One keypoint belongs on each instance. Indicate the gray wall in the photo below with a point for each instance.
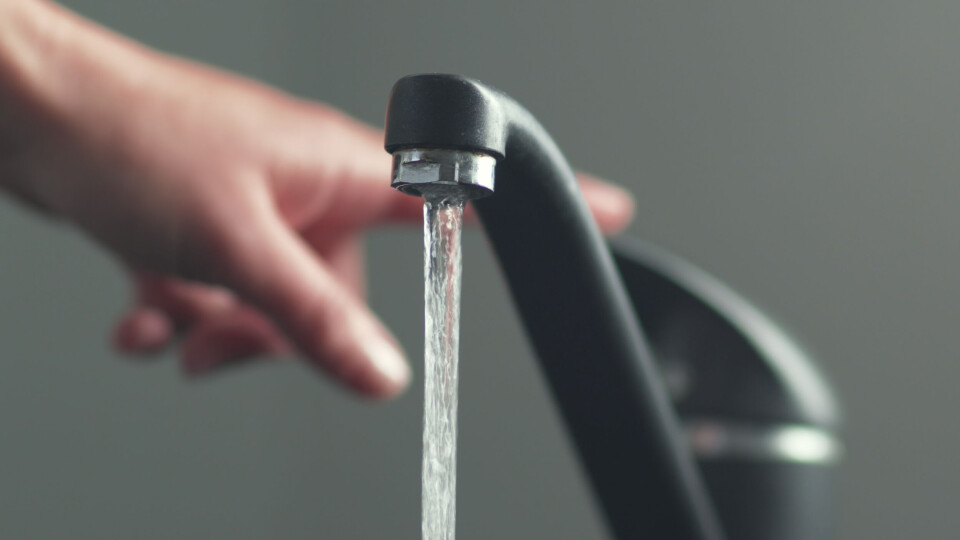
(806, 153)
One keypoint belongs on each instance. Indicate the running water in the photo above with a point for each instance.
(441, 238)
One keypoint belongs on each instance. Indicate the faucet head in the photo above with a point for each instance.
(456, 176)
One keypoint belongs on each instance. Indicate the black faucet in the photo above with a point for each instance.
(729, 435)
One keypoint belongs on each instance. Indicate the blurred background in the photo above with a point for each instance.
(808, 154)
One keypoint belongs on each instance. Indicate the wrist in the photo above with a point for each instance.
(20, 121)
(60, 77)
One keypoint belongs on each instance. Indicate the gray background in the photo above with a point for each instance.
(805, 152)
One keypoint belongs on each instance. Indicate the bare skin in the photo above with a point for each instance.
(238, 209)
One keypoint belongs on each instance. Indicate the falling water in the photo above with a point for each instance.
(443, 218)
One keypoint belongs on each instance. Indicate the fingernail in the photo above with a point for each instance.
(146, 330)
(615, 199)
(153, 328)
(387, 359)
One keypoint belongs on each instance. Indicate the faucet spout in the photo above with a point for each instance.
(455, 176)
(570, 297)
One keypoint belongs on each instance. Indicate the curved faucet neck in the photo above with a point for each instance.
(573, 305)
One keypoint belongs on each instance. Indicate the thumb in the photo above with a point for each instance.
(273, 269)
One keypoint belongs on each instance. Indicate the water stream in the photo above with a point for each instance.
(443, 219)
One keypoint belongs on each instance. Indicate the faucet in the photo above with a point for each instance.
(694, 416)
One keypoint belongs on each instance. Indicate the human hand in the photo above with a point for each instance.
(238, 209)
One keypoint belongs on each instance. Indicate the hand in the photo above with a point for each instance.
(238, 209)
